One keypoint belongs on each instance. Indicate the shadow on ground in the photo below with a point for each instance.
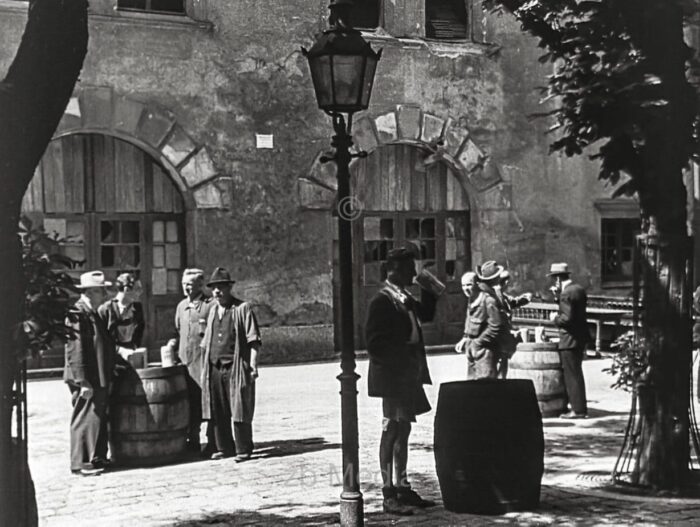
(559, 506)
(292, 447)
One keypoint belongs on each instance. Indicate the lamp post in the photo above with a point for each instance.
(342, 68)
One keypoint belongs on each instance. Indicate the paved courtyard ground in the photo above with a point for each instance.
(294, 476)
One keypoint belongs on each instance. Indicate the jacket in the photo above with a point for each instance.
(571, 319)
(488, 324)
(92, 355)
(397, 367)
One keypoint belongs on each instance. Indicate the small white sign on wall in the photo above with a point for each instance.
(264, 141)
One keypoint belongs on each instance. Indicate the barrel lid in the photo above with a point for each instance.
(537, 346)
(155, 373)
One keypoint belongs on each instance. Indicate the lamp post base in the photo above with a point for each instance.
(351, 509)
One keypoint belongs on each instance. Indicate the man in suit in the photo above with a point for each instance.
(573, 337)
(90, 365)
(397, 371)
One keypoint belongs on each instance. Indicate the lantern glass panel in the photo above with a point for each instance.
(370, 68)
(347, 76)
(322, 78)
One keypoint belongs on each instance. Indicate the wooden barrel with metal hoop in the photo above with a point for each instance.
(489, 446)
(149, 414)
(540, 363)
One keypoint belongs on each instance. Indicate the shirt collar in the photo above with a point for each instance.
(397, 292)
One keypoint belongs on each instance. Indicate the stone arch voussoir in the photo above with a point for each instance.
(99, 109)
(408, 123)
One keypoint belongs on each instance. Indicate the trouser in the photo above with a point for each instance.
(194, 393)
(220, 384)
(88, 428)
(571, 362)
(481, 364)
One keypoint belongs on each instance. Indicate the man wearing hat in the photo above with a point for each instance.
(573, 337)
(398, 369)
(231, 344)
(90, 366)
(488, 328)
(190, 322)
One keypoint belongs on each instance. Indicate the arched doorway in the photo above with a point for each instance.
(121, 212)
(406, 201)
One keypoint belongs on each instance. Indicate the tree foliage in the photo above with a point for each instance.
(49, 291)
(608, 83)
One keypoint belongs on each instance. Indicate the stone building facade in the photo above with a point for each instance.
(197, 119)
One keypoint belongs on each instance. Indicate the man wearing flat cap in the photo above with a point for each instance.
(91, 360)
(490, 342)
(573, 337)
(398, 369)
(231, 344)
(190, 322)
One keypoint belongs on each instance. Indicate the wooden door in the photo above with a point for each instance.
(120, 213)
(404, 204)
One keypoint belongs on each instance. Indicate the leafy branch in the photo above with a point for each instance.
(49, 291)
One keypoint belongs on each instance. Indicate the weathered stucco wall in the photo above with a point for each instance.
(241, 72)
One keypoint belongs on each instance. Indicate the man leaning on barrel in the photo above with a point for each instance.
(91, 363)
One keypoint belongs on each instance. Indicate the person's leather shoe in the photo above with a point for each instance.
(220, 455)
(573, 415)
(241, 457)
(101, 463)
(88, 471)
(408, 496)
(394, 506)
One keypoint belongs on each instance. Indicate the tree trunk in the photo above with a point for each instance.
(666, 255)
(33, 97)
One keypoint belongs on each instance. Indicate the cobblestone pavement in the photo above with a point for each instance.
(294, 476)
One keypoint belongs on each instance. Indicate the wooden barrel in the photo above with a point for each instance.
(489, 446)
(149, 414)
(540, 363)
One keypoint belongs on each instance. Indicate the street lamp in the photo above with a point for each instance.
(342, 67)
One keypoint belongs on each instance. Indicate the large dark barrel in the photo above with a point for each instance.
(489, 446)
(149, 412)
(540, 363)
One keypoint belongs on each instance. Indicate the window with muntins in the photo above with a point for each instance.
(155, 6)
(446, 19)
(618, 239)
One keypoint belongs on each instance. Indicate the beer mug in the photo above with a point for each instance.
(429, 281)
(168, 354)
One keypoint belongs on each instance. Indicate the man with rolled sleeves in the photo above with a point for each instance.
(573, 337)
(191, 321)
(231, 345)
(91, 362)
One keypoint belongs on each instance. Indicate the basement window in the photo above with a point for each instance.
(176, 7)
(446, 19)
(367, 14)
